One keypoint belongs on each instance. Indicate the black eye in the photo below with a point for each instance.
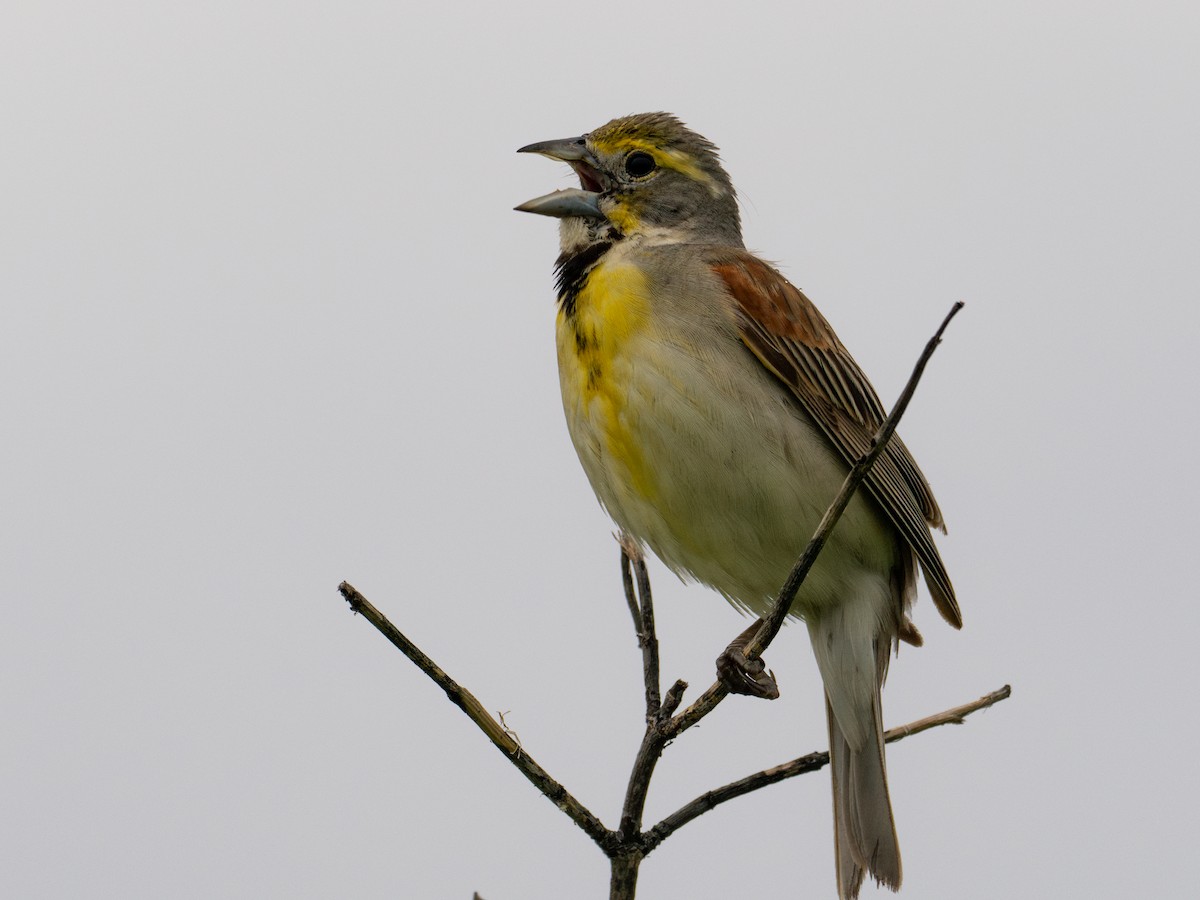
(640, 164)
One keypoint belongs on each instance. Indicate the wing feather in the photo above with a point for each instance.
(791, 338)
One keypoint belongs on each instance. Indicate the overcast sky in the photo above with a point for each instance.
(270, 322)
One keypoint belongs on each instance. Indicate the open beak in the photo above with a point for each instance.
(582, 202)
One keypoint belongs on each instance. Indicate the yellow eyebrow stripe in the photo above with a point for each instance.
(666, 157)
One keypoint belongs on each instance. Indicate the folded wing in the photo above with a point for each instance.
(791, 338)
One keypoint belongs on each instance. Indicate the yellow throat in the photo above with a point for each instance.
(598, 334)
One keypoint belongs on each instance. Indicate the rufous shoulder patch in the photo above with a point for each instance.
(772, 301)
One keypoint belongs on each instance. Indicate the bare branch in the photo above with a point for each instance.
(496, 732)
(635, 611)
(955, 716)
(628, 846)
(805, 764)
(653, 742)
(641, 608)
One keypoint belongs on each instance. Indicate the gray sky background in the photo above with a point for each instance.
(270, 323)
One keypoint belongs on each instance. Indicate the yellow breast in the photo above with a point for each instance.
(599, 341)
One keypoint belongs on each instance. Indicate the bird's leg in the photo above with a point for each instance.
(743, 675)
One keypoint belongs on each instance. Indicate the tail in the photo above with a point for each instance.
(864, 832)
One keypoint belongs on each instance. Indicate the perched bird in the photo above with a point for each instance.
(716, 415)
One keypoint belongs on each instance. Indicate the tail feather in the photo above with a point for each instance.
(853, 658)
(863, 828)
(849, 868)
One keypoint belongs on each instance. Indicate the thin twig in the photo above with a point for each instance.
(699, 708)
(641, 609)
(955, 716)
(650, 649)
(648, 755)
(650, 750)
(635, 612)
(496, 732)
(803, 765)
(783, 604)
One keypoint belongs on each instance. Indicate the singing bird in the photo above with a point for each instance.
(716, 415)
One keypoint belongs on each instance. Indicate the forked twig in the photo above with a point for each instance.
(805, 764)
(628, 845)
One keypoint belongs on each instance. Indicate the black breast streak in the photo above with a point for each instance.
(582, 342)
(572, 274)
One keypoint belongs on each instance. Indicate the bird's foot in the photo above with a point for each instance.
(742, 675)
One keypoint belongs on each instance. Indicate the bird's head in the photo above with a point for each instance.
(645, 175)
